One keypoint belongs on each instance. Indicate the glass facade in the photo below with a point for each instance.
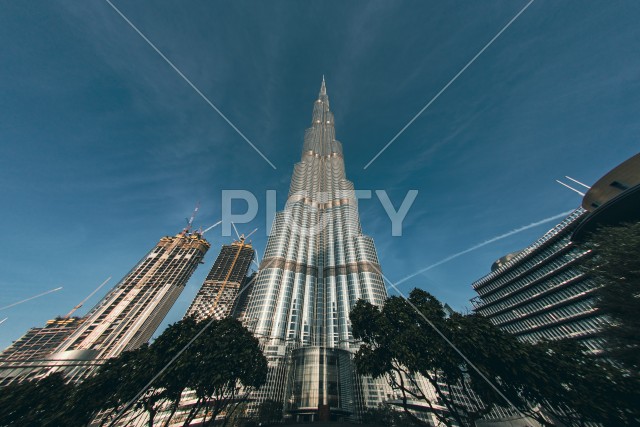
(316, 265)
(541, 293)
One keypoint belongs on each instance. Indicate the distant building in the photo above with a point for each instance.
(38, 343)
(242, 301)
(541, 292)
(217, 296)
(126, 317)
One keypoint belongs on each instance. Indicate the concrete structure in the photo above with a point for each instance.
(242, 300)
(542, 292)
(132, 311)
(126, 317)
(38, 343)
(316, 265)
(217, 296)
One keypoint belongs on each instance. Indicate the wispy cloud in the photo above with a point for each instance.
(485, 243)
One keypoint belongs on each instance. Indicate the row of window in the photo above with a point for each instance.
(570, 292)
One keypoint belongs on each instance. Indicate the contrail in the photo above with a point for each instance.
(30, 298)
(486, 242)
(3, 320)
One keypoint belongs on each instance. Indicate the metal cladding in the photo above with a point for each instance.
(317, 263)
(131, 312)
(221, 288)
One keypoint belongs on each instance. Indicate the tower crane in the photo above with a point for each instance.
(73, 310)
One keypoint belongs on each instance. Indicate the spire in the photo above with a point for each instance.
(323, 88)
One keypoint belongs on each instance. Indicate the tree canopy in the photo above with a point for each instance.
(400, 342)
(223, 362)
(615, 265)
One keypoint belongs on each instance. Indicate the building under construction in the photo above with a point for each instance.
(126, 317)
(224, 283)
(38, 343)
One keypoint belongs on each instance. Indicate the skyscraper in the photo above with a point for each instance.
(217, 296)
(316, 265)
(131, 312)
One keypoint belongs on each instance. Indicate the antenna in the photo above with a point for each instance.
(570, 188)
(68, 315)
(578, 182)
(190, 220)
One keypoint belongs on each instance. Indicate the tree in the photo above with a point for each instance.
(384, 416)
(399, 343)
(615, 265)
(220, 361)
(270, 412)
(41, 403)
(226, 365)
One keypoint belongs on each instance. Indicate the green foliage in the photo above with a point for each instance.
(616, 265)
(44, 403)
(384, 416)
(270, 412)
(220, 360)
(400, 341)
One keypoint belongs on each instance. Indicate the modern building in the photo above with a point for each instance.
(126, 317)
(131, 312)
(38, 343)
(542, 292)
(217, 296)
(316, 265)
(242, 300)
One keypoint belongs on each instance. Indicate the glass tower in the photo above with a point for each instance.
(316, 266)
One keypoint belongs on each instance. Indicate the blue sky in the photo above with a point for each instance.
(104, 148)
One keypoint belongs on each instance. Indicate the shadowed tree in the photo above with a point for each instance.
(221, 361)
(47, 402)
(615, 265)
(556, 376)
(226, 364)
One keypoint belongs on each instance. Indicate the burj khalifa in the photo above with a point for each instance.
(316, 266)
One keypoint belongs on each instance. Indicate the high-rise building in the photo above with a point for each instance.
(542, 292)
(38, 343)
(242, 300)
(130, 313)
(123, 320)
(316, 265)
(221, 288)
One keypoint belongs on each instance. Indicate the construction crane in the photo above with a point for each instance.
(242, 237)
(73, 310)
(190, 220)
(209, 228)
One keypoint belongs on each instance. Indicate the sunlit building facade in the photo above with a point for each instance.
(131, 312)
(316, 265)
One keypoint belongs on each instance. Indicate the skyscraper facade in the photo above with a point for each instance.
(123, 320)
(221, 288)
(37, 343)
(130, 313)
(316, 265)
(542, 292)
